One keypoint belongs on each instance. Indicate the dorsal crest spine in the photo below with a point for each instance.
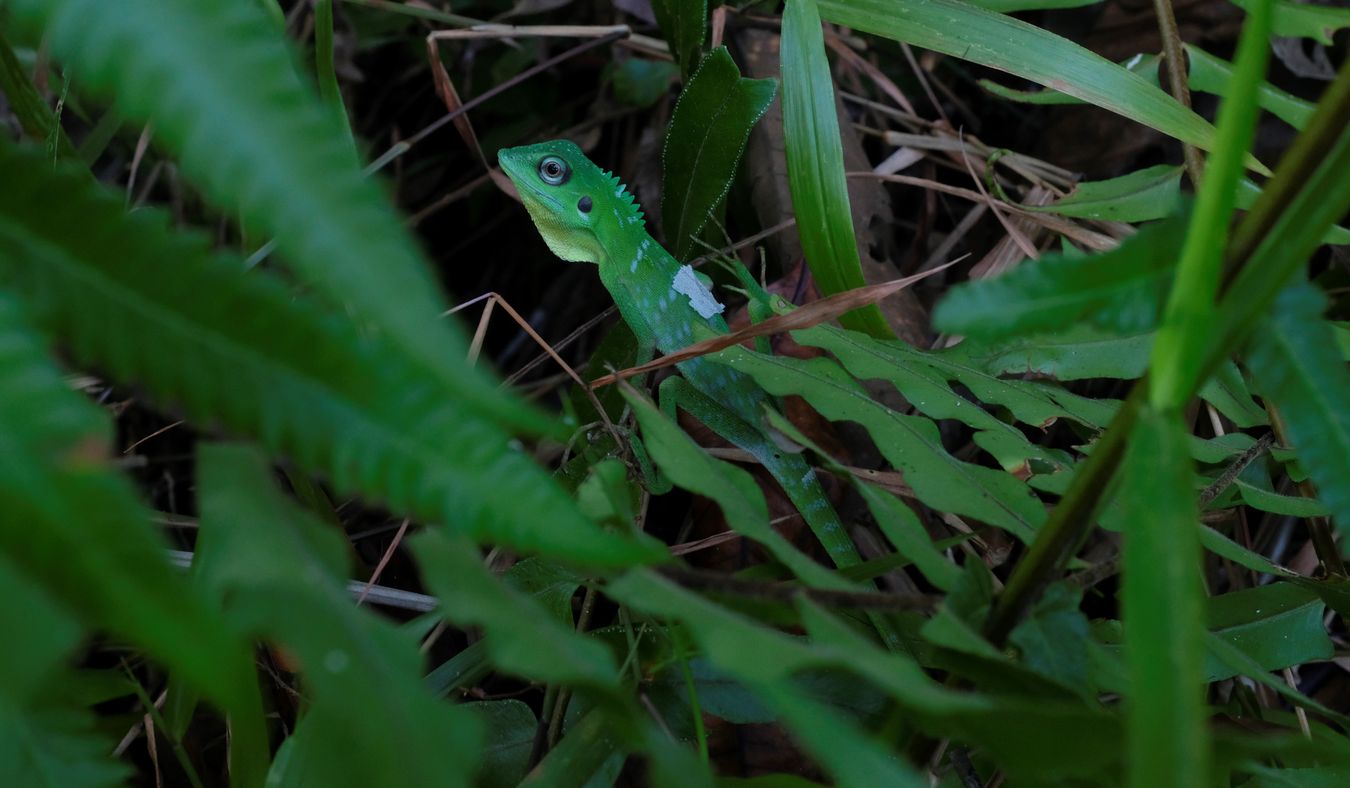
(633, 213)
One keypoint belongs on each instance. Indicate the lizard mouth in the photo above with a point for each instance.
(519, 172)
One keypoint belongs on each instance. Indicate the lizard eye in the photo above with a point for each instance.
(554, 171)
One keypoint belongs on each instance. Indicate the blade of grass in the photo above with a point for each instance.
(815, 159)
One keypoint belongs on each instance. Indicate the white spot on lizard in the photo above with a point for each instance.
(700, 297)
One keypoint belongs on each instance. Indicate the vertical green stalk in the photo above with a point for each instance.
(1190, 313)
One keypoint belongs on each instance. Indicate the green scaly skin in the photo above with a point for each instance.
(664, 308)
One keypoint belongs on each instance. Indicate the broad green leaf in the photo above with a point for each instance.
(734, 490)
(911, 443)
(47, 746)
(708, 131)
(362, 675)
(77, 529)
(1161, 599)
(1120, 290)
(1292, 18)
(510, 726)
(300, 380)
(1269, 501)
(1143, 195)
(1296, 364)
(224, 95)
(553, 585)
(684, 23)
(1275, 625)
(522, 637)
(815, 162)
(1236, 662)
(1177, 367)
(1053, 638)
(1008, 44)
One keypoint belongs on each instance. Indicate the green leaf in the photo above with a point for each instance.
(911, 443)
(1296, 364)
(1143, 195)
(1053, 639)
(510, 726)
(708, 132)
(522, 637)
(224, 95)
(553, 585)
(1168, 740)
(1209, 74)
(52, 747)
(1292, 18)
(1120, 289)
(734, 490)
(1008, 44)
(308, 385)
(362, 675)
(684, 24)
(77, 528)
(815, 162)
(1275, 625)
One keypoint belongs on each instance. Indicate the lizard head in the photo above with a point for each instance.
(571, 200)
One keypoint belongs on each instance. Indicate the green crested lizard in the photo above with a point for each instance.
(586, 215)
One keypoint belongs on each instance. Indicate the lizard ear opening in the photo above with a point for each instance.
(584, 204)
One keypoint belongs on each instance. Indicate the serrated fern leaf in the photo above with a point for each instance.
(1296, 364)
(219, 85)
(363, 676)
(236, 349)
(77, 528)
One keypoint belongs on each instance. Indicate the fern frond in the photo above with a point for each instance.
(219, 85)
(157, 308)
(76, 527)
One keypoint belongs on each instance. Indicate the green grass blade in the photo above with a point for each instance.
(1295, 363)
(1162, 604)
(363, 677)
(1292, 18)
(708, 132)
(157, 309)
(815, 160)
(34, 116)
(1178, 349)
(1002, 42)
(224, 95)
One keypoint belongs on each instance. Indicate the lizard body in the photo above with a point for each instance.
(586, 215)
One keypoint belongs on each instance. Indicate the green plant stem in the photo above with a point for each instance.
(1174, 57)
(1069, 523)
(1302, 199)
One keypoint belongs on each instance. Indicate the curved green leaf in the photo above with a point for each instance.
(1008, 44)
(1293, 18)
(239, 349)
(815, 160)
(363, 677)
(708, 132)
(1140, 196)
(685, 25)
(223, 94)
